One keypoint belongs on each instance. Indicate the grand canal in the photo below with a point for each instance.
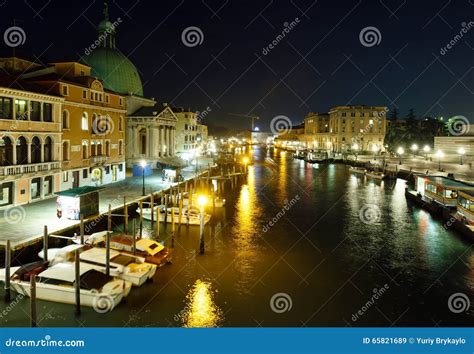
(317, 240)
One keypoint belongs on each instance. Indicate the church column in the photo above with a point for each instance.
(169, 141)
(162, 140)
(173, 141)
(155, 143)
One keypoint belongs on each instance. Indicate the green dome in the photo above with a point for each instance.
(115, 70)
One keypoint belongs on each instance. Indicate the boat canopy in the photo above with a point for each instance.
(64, 272)
(97, 255)
(447, 183)
(79, 191)
(144, 244)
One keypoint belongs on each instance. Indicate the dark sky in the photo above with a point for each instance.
(320, 63)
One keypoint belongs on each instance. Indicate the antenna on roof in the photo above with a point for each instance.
(106, 11)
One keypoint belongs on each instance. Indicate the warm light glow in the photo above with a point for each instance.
(414, 147)
(143, 163)
(439, 153)
(202, 200)
(355, 147)
(201, 310)
(375, 148)
(400, 151)
(461, 151)
(426, 148)
(245, 160)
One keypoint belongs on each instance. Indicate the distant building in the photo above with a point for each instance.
(30, 140)
(453, 146)
(202, 134)
(259, 137)
(186, 131)
(293, 139)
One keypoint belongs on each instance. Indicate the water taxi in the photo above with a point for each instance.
(56, 283)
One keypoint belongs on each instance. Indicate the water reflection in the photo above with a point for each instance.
(201, 309)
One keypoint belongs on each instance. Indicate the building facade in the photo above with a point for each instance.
(30, 141)
(186, 131)
(151, 133)
(92, 124)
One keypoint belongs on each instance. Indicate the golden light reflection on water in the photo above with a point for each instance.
(201, 309)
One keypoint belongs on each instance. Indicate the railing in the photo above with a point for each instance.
(98, 159)
(31, 168)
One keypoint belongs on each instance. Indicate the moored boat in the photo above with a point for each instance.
(190, 215)
(375, 175)
(358, 170)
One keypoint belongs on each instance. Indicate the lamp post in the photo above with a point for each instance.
(400, 152)
(439, 154)
(375, 149)
(355, 147)
(143, 165)
(461, 153)
(426, 150)
(246, 161)
(202, 200)
(414, 149)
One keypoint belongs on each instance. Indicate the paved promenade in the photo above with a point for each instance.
(25, 223)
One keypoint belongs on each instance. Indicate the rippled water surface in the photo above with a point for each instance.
(318, 240)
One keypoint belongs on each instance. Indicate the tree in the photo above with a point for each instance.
(394, 114)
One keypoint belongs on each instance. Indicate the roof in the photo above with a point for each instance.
(97, 255)
(448, 182)
(77, 192)
(64, 271)
(469, 193)
(23, 85)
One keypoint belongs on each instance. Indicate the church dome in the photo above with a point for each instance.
(109, 65)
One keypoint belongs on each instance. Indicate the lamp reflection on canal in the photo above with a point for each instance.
(201, 309)
(202, 200)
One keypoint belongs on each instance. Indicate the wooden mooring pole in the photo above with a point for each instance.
(107, 254)
(125, 216)
(81, 228)
(77, 284)
(7, 271)
(33, 321)
(141, 218)
(45, 243)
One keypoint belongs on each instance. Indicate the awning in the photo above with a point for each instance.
(79, 191)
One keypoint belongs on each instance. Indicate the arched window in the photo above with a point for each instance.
(143, 141)
(48, 149)
(121, 123)
(35, 150)
(6, 151)
(120, 147)
(65, 119)
(99, 148)
(107, 148)
(21, 151)
(93, 149)
(85, 148)
(85, 121)
(66, 150)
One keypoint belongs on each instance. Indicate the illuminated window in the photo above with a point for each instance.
(85, 121)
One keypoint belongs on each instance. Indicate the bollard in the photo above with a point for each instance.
(82, 229)
(141, 219)
(109, 218)
(157, 221)
(45, 243)
(125, 215)
(152, 206)
(166, 209)
(107, 254)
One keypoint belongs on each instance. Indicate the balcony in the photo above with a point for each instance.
(99, 159)
(36, 168)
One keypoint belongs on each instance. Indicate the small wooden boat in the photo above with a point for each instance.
(128, 267)
(358, 170)
(56, 283)
(189, 216)
(375, 175)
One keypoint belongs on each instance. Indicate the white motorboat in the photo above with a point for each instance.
(218, 203)
(358, 170)
(375, 175)
(57, 283)
(189, 216)
(124, 266)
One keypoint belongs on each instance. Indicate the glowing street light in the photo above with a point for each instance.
(375, 149)
(202, 200)
(400, 152)
(143, 165)
(439, 154)
(461, 153)
(245, 161)
(426, 150)
(355, 147)
(414, 149)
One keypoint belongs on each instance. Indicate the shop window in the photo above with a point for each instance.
(5, 108)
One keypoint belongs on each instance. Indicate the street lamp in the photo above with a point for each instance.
(414, 149)
(439, 154)
(355, 147)
(202, 200)
(246, 161)
(400, 152)
(375, 149)
(426, 150)
(143, 164)
(461, 153)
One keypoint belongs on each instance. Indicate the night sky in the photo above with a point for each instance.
(320, 63)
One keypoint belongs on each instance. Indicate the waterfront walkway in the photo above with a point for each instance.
(24, 224)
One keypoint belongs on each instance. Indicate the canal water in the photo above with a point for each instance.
(298, 245)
